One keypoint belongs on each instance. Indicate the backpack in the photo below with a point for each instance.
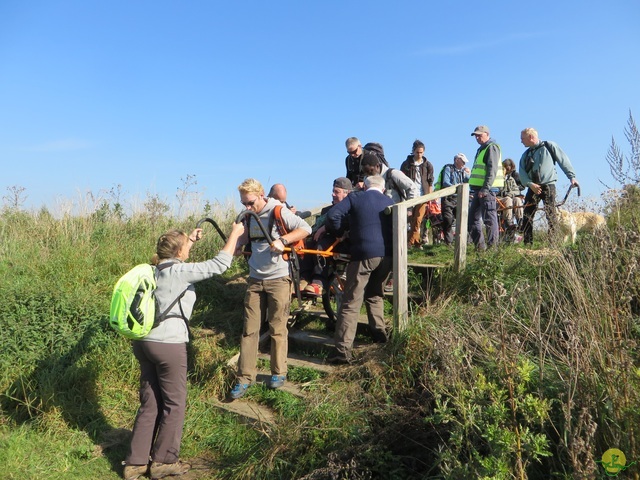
(274, 219)
(133, 302)
(390, 184)
(376, 149)
(438, 184)
(529, 160)
(282, 230)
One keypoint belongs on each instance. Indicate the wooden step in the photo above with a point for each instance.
(310, 341)
(251, 411)
(297, 360)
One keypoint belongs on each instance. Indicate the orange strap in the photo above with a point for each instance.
(282, 230)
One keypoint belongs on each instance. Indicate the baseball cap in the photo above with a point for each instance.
(343, 183)
(481, 129)
(462, 157)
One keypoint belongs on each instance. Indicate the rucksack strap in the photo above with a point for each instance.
(294, 262)
(165, 314)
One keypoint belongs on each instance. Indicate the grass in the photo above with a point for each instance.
(523, 366)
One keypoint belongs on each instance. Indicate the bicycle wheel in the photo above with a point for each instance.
(332, 299)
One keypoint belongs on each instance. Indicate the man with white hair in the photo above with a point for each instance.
(371, 236)
(537, 171)
(451, 174)
(353, 159)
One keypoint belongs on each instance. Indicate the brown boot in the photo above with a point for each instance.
(161, 470)
(132, 472)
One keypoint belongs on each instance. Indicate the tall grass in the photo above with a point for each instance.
(523, 366)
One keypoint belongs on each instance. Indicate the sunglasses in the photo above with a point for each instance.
(353, 152)
(249, 204)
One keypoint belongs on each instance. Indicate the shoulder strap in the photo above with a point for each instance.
(163, 316)
(551, 152)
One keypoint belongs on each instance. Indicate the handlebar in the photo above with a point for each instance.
(215, 225)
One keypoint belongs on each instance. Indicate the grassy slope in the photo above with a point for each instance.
(523, 365)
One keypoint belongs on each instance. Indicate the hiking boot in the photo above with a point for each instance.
(337, 359)
(277, 381)
(239, 390)
(161, 470)
(132, 472)
(379, 336)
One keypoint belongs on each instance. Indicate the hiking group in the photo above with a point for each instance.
(357, 217)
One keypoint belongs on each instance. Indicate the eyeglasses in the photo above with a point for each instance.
(249, 204)
(353, 153)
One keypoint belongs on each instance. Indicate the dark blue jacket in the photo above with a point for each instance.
(370, 229)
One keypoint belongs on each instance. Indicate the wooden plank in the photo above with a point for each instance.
(254, 412)
(296, 360)
(424, 266)
(234, 360)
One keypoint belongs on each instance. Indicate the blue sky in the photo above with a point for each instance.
(142, 94)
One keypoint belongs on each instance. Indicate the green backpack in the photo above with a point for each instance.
(133, 302)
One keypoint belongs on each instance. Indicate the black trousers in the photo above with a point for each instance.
(531, 201)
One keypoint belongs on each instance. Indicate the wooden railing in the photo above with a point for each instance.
(400, 278)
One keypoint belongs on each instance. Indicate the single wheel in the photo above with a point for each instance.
(332, 299)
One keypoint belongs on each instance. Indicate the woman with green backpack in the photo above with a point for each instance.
(162, 354)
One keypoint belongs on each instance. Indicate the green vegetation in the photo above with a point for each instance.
(523, 366)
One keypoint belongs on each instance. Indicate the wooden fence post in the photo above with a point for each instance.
(399, 219)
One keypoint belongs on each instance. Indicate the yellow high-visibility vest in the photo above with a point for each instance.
(479, 170)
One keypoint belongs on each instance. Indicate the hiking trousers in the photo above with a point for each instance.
(483, 211)
(417, 216)
(365, 282)
(157, 431)
(274, 297)
(531, 201)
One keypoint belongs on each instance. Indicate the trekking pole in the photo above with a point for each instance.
(215, 225)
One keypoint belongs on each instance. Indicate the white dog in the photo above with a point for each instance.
(570, 223)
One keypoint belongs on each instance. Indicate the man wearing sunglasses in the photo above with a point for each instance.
(268, 287)
(353, 160)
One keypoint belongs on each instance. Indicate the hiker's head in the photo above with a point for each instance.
(529, 137)
(418, 149)
(370, 165)
(172, 244)
(354, 147)
(341, 188)
(508, 165)
(460, 160)
(279, 192)
(252, 195)
(374, 182)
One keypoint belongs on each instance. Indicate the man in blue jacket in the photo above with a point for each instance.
(537, 171)
(371, 236)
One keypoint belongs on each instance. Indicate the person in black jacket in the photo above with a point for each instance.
(353, 160)
(420, 170)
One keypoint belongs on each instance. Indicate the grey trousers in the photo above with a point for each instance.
(157, 432)
(365, 282)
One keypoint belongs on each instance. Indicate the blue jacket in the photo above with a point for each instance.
(543, 171)
(370, 229)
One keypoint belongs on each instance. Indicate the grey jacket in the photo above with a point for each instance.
(171, 283)
(263, 263)
(398, 187)
(543, 171)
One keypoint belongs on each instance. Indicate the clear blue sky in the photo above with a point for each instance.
(95, 94)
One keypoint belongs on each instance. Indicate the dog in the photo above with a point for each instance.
(570, 223)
